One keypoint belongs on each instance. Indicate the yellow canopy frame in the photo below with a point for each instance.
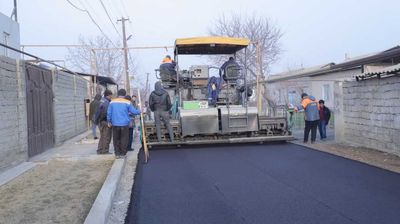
(210, 45)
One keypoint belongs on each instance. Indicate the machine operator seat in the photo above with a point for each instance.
(167, 72)
(231, 72)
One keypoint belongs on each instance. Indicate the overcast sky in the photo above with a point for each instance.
(315, 31)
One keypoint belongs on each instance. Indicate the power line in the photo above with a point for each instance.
(116, 8)
(130, 59)
(125, 13)
(130, 25)
(108, 15)
(37, 58)
(123, 7)
(76, 7)
(88, 5)
(93, 20)
(114, 11)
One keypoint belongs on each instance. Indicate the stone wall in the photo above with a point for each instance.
(371, 113)
(13, 123)
(69, 107)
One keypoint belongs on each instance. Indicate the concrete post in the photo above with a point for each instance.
(338, 111)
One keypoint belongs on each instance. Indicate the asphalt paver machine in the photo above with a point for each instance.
(215, 109)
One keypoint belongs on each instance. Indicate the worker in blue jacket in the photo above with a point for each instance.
(118, 118)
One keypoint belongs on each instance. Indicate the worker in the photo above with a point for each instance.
(324, 116)
(243, 93)
(167, 69)
(311, 116)
(147, 111)
(118, 118)
(230, 69)
(101, 119)
(160, 104)
(94, 106)
(213, 87)
(132, 124)
(133, 99)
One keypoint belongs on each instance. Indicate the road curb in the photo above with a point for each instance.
(123, 196)
(14, 172)
(101, 207)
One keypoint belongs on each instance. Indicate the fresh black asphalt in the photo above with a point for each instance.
(278, 183)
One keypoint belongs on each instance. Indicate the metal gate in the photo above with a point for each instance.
(39, 100)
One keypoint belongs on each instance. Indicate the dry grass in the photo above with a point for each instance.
(57, 192)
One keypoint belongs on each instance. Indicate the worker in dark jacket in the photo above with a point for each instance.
(93, 107)
(101, 120)
(131, 123)
(230, 69)
(160, 104)
(167, 68)
(324, 116)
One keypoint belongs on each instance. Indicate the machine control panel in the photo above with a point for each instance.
(199, 71)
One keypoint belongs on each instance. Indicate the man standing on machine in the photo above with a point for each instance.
(160, 104)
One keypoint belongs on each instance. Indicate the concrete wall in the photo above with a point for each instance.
(13, 123)
(371, 113)
(69, 107)
(69, 110)
(9, 28)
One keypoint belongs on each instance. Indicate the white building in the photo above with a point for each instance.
(330, 81)
(319, 81)
(9, 35)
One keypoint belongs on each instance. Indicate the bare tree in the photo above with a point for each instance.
(109, 61)
(258, 30)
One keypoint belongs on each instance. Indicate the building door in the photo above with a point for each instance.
(39, 100)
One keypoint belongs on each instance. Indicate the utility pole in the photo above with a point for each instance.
(93, 68)
(15, 11)
(147, 88)
(259, 71)
(127, 83)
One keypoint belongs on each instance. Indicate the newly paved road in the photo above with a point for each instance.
(281, 183)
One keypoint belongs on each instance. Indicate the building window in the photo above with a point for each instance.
(6, 38)
(326, 89)
(292, 97)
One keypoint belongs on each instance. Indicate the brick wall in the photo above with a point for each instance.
(13, 123)
(371, 113)
(69, 110)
